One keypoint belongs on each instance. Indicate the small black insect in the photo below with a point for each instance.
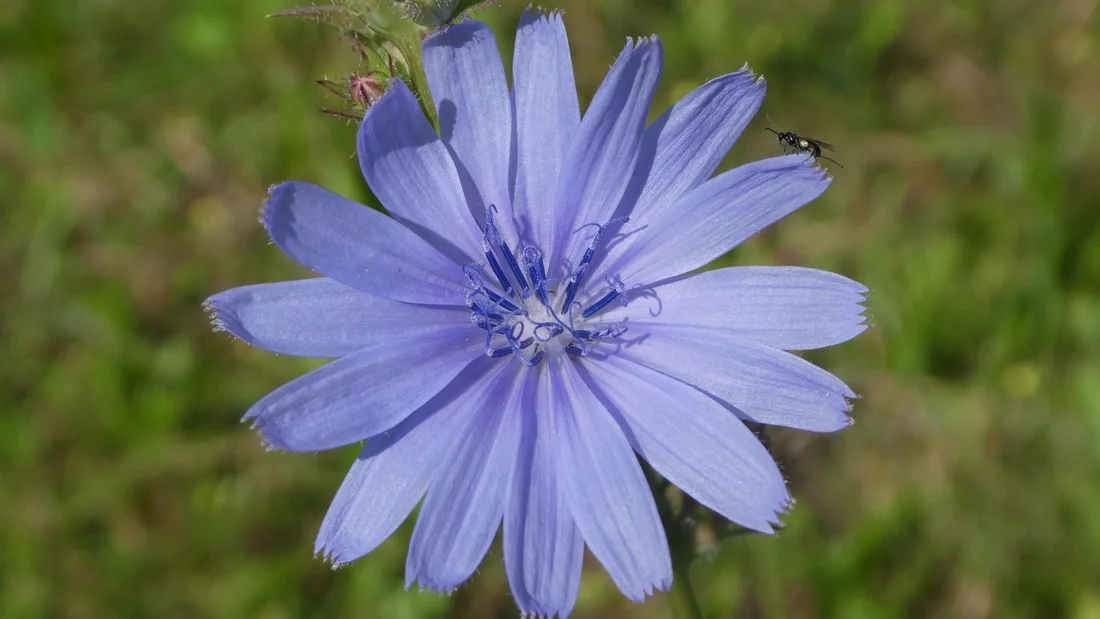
(792, 142)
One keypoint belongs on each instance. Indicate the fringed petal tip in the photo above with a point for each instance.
(844, 420)
(649, 591)
(274, 193)
(535, 13)
(757, 79)
(784, 510)
(635, 44)
(429, 587)
(640, 597)
(774, 523)
(859, 288)
(781, 505)
(268, 440)
(216, 316)
(864, 298)
(806, 168)
(742, 78)
(224, 320)
(843, 407)
(800, 167)
(330, 556)
(861, 296)
(823, 173)
(538, 614)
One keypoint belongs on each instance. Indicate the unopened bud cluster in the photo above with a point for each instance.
(386, 35)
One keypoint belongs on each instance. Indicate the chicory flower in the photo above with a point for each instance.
(525, 320)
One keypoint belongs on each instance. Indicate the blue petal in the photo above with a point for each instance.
(547, 115)
(605, 488)
(465, 502)
(413, 176)
(718, 215)
(692, 441)
(323, 318)
(764, 384)
(359, 247)
(543, 550)
(682, 148)
(467, 81)
(363, 394)
(394, 469)
(601, 157)
(791, 308)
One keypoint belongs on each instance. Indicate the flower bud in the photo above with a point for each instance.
(437, 13)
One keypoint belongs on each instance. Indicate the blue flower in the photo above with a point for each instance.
(524, 321)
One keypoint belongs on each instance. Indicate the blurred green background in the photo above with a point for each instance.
(136, 144)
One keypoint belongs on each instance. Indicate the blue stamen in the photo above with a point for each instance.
(513, 335)
(504, 315)
(489, 333)
(488, 243)
(482, 302)
(481, 312)
(511, 260)
(472, 271)
(570, 293)
(534, 359)
(492, 234)
(578, 275)
(532, 259)
(573, 350)
(602, 333)
(482, 316)
(501, 301)
(599, 305)
(616, 290)
(484, 321)
(504, 283)
(613, 331)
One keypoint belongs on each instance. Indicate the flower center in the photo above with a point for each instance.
(522, 310)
